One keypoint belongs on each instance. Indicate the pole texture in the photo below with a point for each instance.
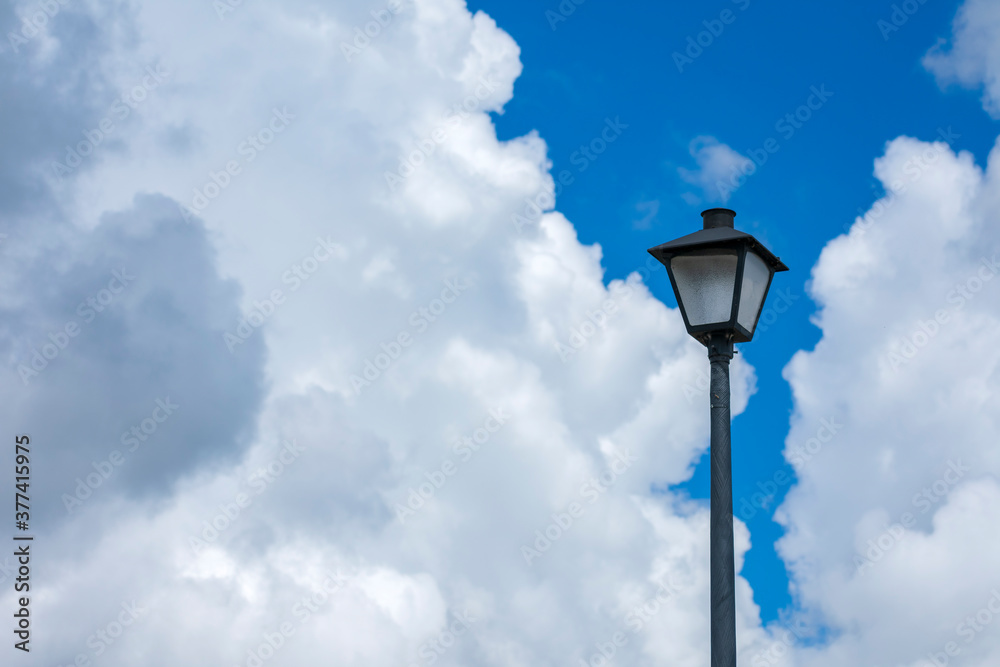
(723, 565)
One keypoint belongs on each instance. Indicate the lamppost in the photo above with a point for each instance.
(720, 277)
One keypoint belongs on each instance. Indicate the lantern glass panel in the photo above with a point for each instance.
(756, 275)
(706, 282)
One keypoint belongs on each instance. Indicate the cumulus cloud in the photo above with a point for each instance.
(972, 57)
(907, 375)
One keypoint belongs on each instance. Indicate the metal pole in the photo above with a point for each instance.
(723, 565)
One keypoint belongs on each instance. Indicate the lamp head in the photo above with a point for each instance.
(720, 277)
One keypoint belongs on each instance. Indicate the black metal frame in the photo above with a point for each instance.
(719, 235)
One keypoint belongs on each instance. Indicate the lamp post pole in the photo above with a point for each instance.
(722, 565)
(720, 277)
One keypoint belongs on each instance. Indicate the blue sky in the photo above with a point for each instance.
(607, 60)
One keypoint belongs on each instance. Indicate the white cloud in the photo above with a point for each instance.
(972, 59)
(719, 168)
(907, 368)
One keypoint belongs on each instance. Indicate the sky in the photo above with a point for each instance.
(602, 60)
(333, 330)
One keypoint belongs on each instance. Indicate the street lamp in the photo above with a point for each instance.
(720, 277)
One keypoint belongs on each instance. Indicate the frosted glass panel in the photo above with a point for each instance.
(755, 277)
(707, 283)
